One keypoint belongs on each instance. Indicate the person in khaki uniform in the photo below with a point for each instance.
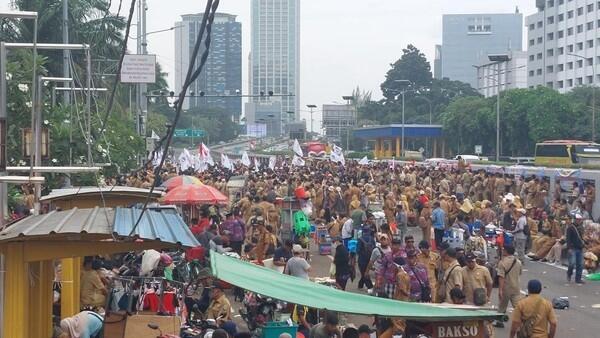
(431, 261)
(538, 309)
(219, 308)
(509, 275)
(475, 277)
(452, 273)
(402, 293)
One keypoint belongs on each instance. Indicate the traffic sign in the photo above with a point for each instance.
(138, 68)
(478, 149)
(188, 133)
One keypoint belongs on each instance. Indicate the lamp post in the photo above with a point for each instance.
(593, 93)
(408, 83)
(498, 59)
(311, 107)
(430, 116)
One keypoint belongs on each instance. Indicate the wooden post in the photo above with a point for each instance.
(69, 296)
(398, 150)
(40, 298)
(16, 290)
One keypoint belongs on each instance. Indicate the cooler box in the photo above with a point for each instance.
(301, 224)
(274, 329)
(508, 239)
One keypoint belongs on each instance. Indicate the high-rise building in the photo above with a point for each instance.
(563, 39)
(466, 38)
(221, 77)
(509, 74)
(275, 53)
(338, 119)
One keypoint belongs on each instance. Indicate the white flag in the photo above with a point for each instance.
(337, 157)
(298, 161)
(256, 165)
(272, 162)
(204, 154)
(297, 149)
(245, 159)
(363, 161)
(185, 160)
(155, 136)
(226, 162)
(157, 157)
(337, 150)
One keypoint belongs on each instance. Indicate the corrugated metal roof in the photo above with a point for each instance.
(164, 225)
(160, 224)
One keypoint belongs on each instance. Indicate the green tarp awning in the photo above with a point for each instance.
(304, 292)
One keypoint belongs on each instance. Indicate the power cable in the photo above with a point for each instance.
(206, 25)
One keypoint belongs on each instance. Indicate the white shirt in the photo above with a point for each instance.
(347, 229)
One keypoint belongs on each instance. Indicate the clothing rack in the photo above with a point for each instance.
(133, 284)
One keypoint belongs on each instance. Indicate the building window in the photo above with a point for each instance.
(570, 65)
(570, 49)
(570, 31)
(580, 28)
(561, 17)
(569, 14)
(540, 24)
(531, 73)
(579, 11)
(549, 69)
(590, 43)
(539, 71)
(532, 27)
(550, 36)
(560, 67)
(560, 84)
(539, 56)
(579, 63)
(560, 2)
(570, 83)
(579, 81)
(480, 28)
(532, 42)
(560, 51)
(590, 61)
(589, 79)
(590, 8)
(580, 46)
(589, 26)
(550, 3)
(550, 52)
(597, 59)
(549, 84)
(550, 20)
(539, 40)
(531, 57)
(561, 34)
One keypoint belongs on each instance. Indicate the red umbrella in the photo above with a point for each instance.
(195, 194)
(177, 181)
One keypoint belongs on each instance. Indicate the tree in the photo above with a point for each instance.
(468, 121)
(548, 114)
(412, 66)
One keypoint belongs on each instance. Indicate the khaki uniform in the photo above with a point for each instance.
(402, 293)
(535, 304)
(432, 264)
(219, 307)
(512, 290)
(452, 278)
(478, 278)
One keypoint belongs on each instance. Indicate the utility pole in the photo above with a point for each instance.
(66, 52)
(141, 99)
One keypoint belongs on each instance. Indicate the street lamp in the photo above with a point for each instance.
(407, 83)
(593, 94)
(498, 59)
(430, 116)
(311, 107)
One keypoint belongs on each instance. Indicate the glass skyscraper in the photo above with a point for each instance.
(275, 53)
(222, 74)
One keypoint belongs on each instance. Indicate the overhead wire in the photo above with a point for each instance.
(206, 25)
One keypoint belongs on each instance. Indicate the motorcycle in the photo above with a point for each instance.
(257, 310)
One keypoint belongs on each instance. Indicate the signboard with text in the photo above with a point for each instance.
(459, 329)
(138, 68)
(188, 133)
(256, 129)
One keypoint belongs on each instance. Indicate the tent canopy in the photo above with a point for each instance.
(304, 292)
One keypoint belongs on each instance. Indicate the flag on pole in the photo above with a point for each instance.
(363, 161)
(337, 150)
(204, 154)
(185, 160)
(272, 162)
(298, 161)
(297, 149)
(256, 165)
(245, 159)
(154, 136)
(226, 162)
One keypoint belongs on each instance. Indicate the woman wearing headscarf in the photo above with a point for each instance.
(86, 324)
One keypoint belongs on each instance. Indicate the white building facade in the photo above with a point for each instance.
(563, 38)
(504, 75)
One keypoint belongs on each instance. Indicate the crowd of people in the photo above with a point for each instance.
(367, 210)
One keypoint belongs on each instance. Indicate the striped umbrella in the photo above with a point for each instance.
(180, 180)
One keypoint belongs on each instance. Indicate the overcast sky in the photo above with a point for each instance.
(344, 43)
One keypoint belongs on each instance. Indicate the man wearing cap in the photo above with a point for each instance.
(452, 274)
(419, 281)
(431, 261)
(509, 276)
(519, 233)
(476, 280)
(534, 307)
(575, 244)
(297, 266)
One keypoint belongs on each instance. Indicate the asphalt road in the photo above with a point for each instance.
(582, 319)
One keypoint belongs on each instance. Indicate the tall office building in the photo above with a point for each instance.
(563, 39)
(275, 53)
(222, 74)
(466, 38)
